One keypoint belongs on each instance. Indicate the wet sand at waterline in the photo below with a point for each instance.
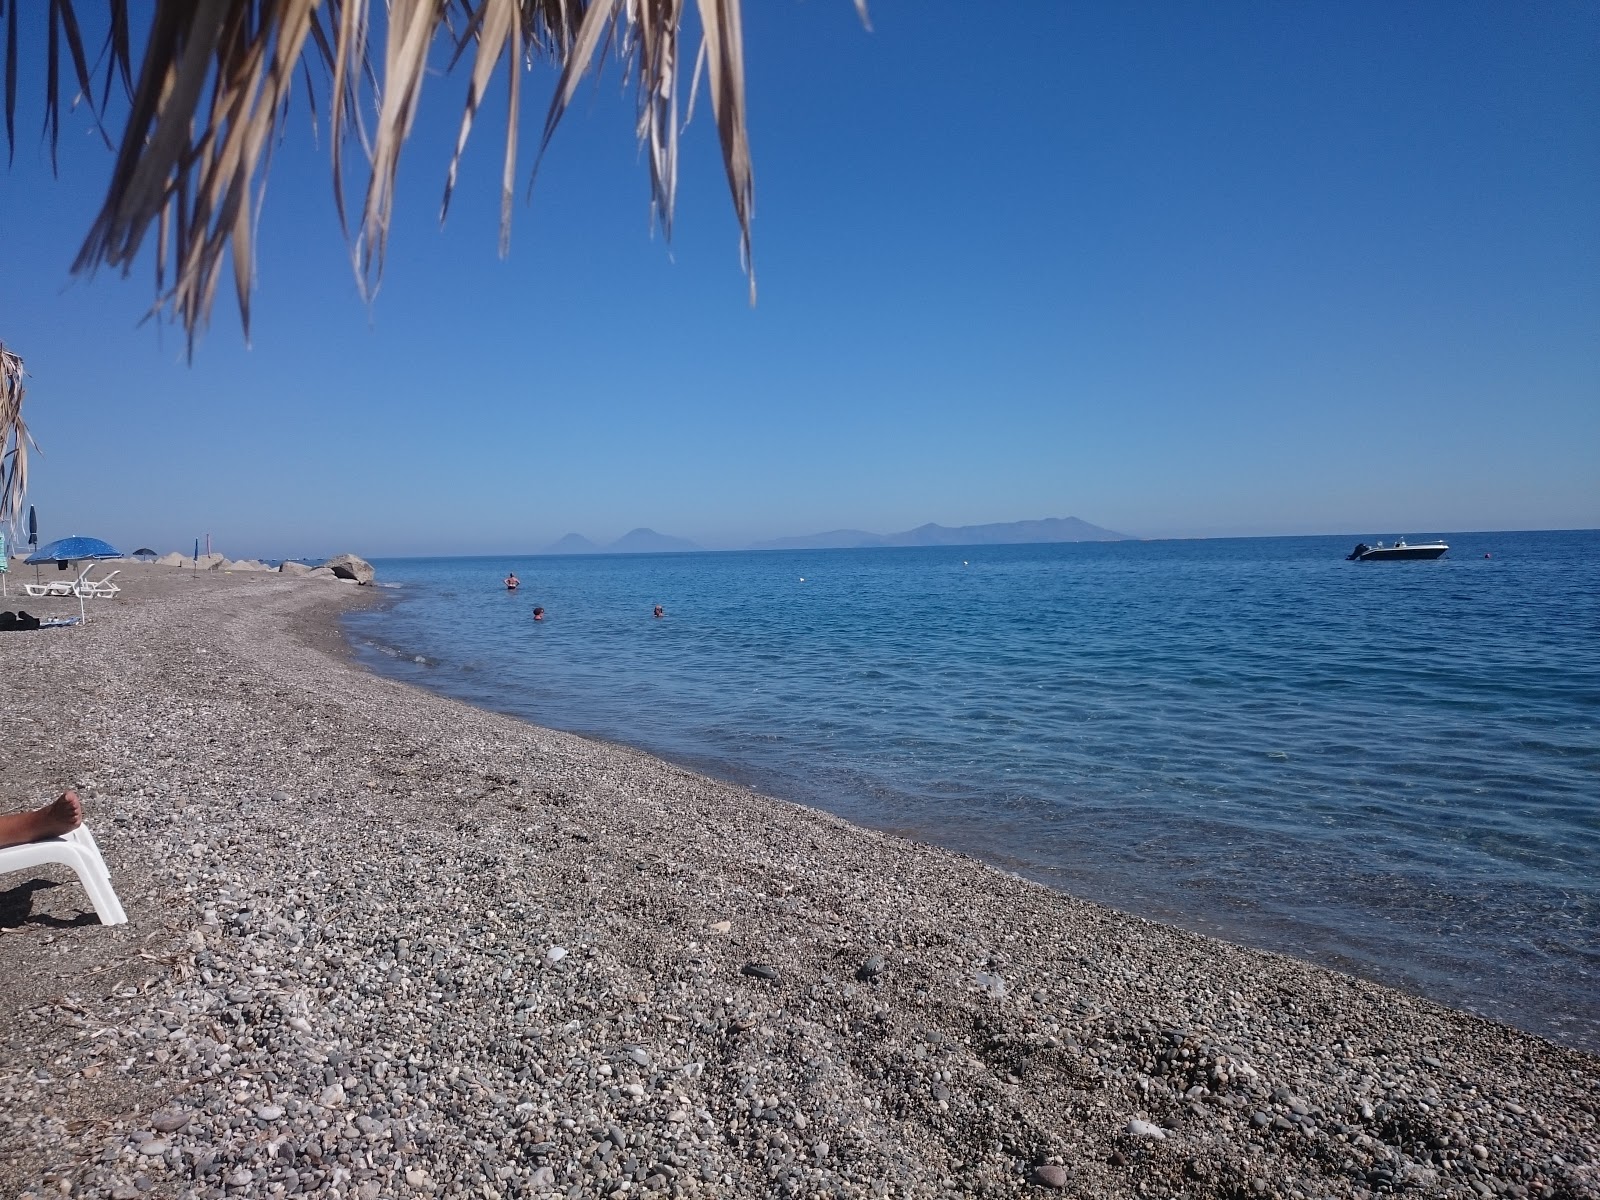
(383, 943)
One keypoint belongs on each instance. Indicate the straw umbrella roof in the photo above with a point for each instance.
(215, 83)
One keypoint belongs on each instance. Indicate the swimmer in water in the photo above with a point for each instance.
(660, 612)
(538, 614)
(512, 582)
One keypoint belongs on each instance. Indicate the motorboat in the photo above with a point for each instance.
(1401, 549)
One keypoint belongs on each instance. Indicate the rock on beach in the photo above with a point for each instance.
(348, 566)
(338, 975)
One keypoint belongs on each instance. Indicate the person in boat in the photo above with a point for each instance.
(61, 815)
(538, 613)
(1361, 548)
(659, 612)
(512, 582)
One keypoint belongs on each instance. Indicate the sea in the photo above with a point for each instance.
(1391, 769)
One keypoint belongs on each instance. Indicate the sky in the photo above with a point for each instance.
(1178, 270)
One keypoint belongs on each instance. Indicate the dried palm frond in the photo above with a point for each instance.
(14, 439)
(209, 99)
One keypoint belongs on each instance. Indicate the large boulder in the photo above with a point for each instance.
(321, 573)
(348, 566)
(171, 560)
(289, 567)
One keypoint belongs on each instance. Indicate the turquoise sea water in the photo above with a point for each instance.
(1389, 768)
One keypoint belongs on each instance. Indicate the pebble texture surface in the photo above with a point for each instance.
(384, 944)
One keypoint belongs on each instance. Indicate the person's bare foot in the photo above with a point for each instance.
(61, 815)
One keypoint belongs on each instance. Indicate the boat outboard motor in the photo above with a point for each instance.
(1361, 548)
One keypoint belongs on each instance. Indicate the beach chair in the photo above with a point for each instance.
(78, 851)
(99, 589)
(58, 587)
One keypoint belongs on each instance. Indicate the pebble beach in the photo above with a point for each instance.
(382, 943)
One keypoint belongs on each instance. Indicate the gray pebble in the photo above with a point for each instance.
(1048, 1175)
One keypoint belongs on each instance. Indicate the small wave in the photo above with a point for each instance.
(394, 652)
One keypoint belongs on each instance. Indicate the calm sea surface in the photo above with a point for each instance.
(1389, 768)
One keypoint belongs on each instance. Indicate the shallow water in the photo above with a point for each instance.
(1389, 768)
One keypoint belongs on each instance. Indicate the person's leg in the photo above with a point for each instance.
(61, 815)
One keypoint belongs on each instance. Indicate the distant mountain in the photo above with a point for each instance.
(573, 543)
(635, 541)
(648, 541)
(1004, 533)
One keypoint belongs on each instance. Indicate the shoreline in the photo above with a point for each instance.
(344, 897)
(1142, 774)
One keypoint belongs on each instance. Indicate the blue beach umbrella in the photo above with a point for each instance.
(71, 548)
(66, 550)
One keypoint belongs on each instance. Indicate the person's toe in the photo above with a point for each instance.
(68, 809)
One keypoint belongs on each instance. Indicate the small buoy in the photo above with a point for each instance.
(802, 579)
(1488, 556)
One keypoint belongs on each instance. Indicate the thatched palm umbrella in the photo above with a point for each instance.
(214, 87)
(14, 440)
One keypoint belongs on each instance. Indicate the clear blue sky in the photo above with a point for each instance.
(1176, 269)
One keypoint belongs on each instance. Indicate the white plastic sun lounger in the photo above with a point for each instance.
(78, 851)
(58, 587)
(99, 589)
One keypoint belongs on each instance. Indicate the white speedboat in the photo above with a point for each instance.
(1401, 549)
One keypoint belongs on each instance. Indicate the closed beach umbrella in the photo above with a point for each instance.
(69, 549)
(33, 526)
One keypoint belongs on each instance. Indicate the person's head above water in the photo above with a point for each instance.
(659, 611)
(538, 614)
